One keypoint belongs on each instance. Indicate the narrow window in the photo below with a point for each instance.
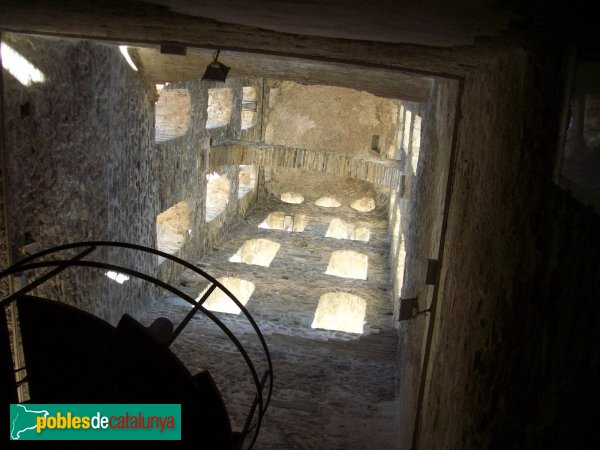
(375, 143)
(217, 195)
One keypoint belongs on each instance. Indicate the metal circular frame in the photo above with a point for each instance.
(29, 263)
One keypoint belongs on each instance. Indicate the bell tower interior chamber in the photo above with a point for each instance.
(403, 200)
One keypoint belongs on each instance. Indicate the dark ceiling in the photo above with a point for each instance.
(422, 22)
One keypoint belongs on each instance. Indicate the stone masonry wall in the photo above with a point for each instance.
(381, 172)
(4, 252)
(415, 224)
(320, 375)
(184, 162)
(80, 163)
(514, 355)
(328, 118)
(83, 165)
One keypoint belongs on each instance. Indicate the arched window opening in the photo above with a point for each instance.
(348, 264)
(300, 222)
(364, 204)
(258, 252)
(339, 311)
(218, 301)
(328, 202)
(292, 197)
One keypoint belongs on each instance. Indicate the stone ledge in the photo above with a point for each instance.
(384, 173)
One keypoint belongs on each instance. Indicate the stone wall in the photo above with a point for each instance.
(76, 144)
(320, 375)
(315, 185)
(160, 68)
(83, 165)
(4, 252)
(381, 172)
(513, 355)
(329, 118)
(513, 349)
(414, 218)
(184, 163)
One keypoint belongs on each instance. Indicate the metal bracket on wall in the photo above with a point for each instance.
(170, 49)
(409, 308)
(432, 268)
(402, 185)
(30, 245)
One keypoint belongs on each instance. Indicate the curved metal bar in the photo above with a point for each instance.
(141, 248)
(180, 261)
(190, 315)
(135, 273)
(46, 276)
(23, 266)
(98, 265)
(175, 259)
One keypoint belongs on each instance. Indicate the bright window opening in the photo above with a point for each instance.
(125, 53)
(340, 311)
(401, 260)
(246, 180)
(348, 264)
(116, 276)
(361, 233)
(218, 301)
(364, 204)
(340, 229)
(259, 252)
(220, 105)
(173, 112)
(19, 67)
(300, 222)
(415, 145)
(292, 197)
(217, 195)
(406, 135)
(274, 221)
(395, 229)
(280, 221)
(249, 105)
(328, 202)
(172, 228)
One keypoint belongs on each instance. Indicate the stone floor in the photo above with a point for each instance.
(332, 389)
